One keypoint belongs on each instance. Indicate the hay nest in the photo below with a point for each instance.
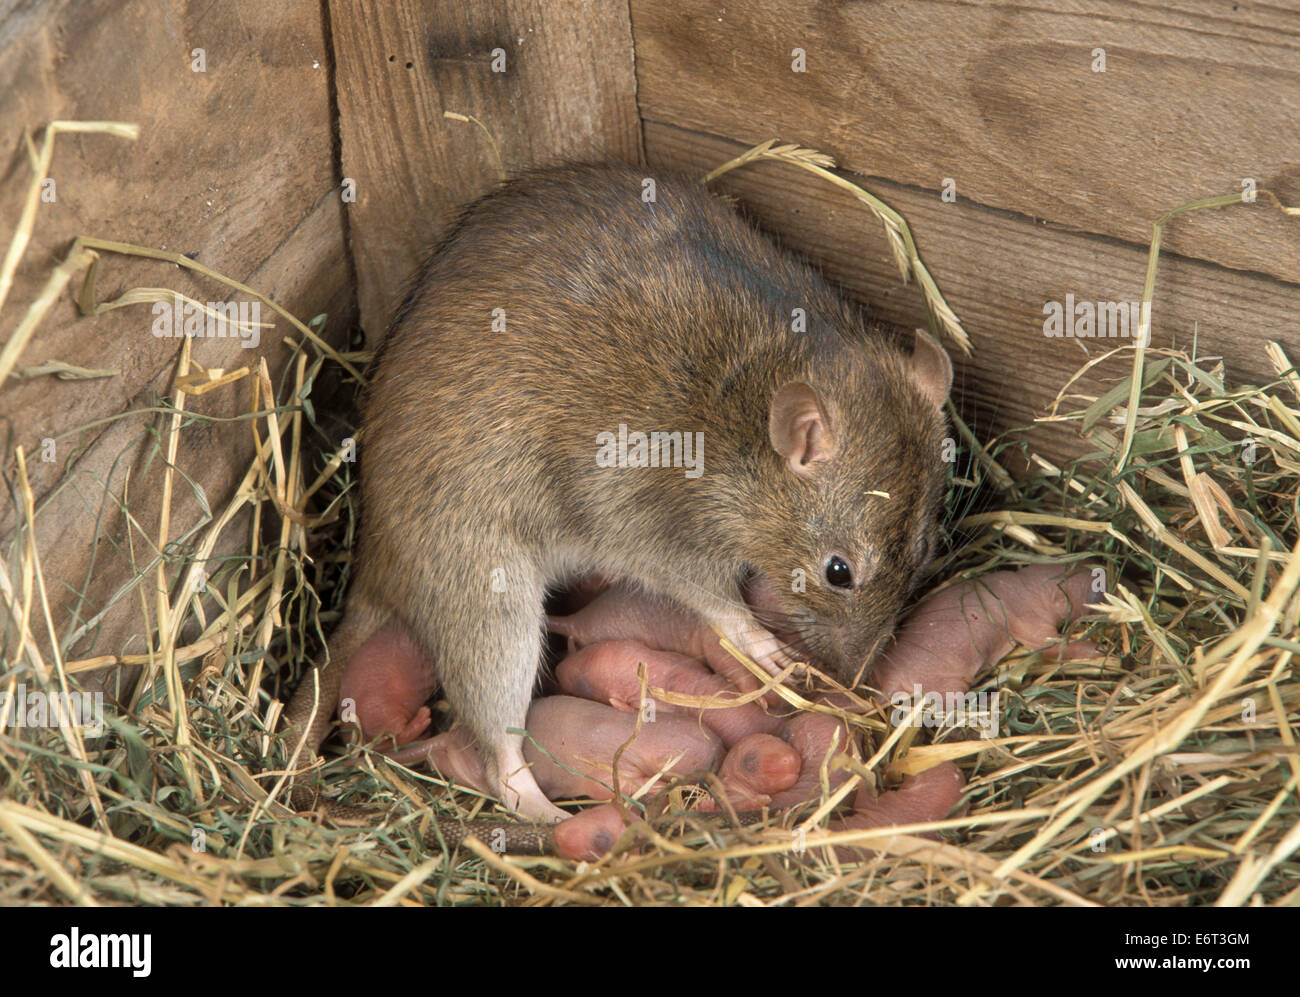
(1163, 774)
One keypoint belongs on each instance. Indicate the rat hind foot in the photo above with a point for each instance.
(513, 781)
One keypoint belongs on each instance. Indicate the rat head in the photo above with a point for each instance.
(856, 450)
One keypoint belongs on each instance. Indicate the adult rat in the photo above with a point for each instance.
(596, 373)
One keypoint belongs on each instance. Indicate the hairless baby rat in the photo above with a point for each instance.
(598, 372)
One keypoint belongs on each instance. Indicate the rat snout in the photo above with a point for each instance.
(850, 649)
(845, 647)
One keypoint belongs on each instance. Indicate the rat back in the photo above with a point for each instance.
(565, 310)
(566, 320)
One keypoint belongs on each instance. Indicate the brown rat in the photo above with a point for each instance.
(507, 446)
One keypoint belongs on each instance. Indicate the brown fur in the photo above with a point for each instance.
(479, 449)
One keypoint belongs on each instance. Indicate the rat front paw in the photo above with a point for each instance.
(769, 652)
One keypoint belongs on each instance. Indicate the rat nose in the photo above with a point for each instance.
(853, 650)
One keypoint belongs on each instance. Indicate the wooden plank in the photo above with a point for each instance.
(567, 92)
(234, 165)
(1001, 97)
(997, 271)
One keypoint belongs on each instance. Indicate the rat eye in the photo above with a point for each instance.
(838, 572)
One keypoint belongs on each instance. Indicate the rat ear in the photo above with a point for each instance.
(799, 429)
(931, 368)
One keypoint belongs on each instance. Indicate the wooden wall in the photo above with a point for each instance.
(1059, 171)
(251, 167)
(561, 86)
(234, 165)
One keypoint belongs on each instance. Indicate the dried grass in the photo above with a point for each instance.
(1164, 774)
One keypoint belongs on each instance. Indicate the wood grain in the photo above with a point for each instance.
(997, 271)
(1001, 97)
(234, 165)
(567, 92)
